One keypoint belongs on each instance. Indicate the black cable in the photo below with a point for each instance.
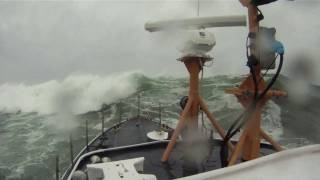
(231, 132)
(261, 95)
(274, 78)
(246, 116)
(255, 84)
(250, 35)
(268, 68)
(255, 88)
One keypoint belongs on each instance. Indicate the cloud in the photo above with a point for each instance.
(45, 40)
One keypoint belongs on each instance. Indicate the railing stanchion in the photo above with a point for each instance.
(71, 150)
(57, 167)
(138, 105)
(87, 134)
(120, 112)
(160, 111)
(102, 123)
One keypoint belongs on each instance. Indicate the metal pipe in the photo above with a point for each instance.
(102, 123)
(120, 112)
(71, 150)
(87, 138)
(198, 10)
(160, 111)
(57, 167)
(138, 105)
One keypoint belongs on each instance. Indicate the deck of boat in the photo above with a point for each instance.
(205, 155)
(129, 132)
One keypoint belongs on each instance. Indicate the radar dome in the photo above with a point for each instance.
(197, 43)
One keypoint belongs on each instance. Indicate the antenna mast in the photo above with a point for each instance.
(194, 56)
(259, 91)
(198, 8)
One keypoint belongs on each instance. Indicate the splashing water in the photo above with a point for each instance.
(75, 94)
(36, 121)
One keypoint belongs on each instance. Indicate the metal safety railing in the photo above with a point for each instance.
(151, 113)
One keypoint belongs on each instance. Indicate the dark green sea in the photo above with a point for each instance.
(37, 120)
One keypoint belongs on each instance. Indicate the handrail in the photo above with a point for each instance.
(149, 114)
(85, 148)
(112, 149)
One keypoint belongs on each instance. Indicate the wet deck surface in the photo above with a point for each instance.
(185, 160)
(130, 132)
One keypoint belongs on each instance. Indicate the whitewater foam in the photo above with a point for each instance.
(271, 120)
(75, 94)
(41, 137)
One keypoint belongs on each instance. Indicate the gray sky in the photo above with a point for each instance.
(44, 40)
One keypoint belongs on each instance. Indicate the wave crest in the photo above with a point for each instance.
(75, 94)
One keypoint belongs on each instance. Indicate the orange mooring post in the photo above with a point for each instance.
(189, 115)
(249, 142)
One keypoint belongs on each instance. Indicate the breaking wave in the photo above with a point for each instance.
(37, 130)
(75, 94)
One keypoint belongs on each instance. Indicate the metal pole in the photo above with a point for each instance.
(102, 123)
(138, 105)
(71, 150)
(198, 10)
(160, 119)
(120, 112)
(57, 167)
(87, 138)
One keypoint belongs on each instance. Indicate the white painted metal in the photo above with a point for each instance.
(196, 23)
(95, 159)
(79, 175)
(119, 170)
(105, 159)
(197, 43)
(294, 164)
(82, 157)
(83, 150)
(157, 135)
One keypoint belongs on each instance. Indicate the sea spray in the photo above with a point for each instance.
(30, 141)
(76, 94)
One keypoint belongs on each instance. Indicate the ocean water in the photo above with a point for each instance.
(36, 121)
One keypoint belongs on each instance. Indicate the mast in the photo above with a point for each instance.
(194, 57)
(189, 116)
(249, 142)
